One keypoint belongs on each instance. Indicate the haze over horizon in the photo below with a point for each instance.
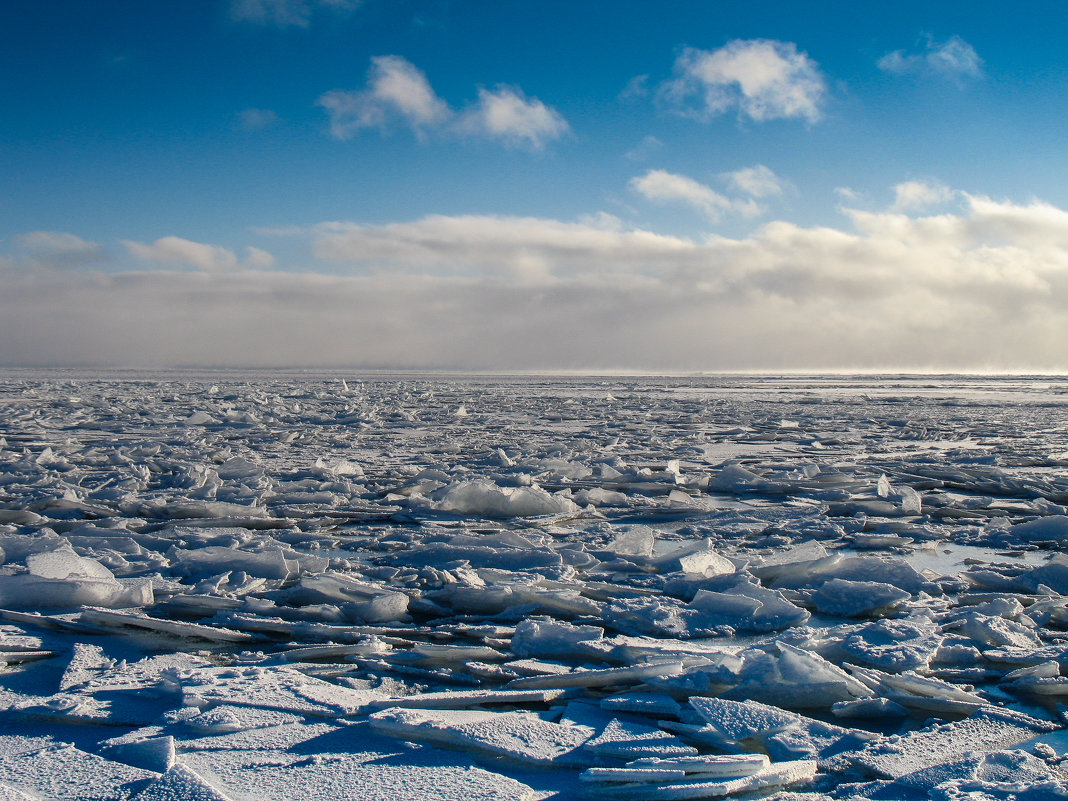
(486, 186)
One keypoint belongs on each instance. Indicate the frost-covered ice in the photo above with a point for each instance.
(316, 586)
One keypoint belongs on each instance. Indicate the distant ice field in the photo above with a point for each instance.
(320, 585)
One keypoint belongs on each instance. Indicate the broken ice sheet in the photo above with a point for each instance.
(383, 551)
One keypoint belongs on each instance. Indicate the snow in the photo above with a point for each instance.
(256, 587)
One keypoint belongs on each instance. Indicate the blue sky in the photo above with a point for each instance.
(487, 185)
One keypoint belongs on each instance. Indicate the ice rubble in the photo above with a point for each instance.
(677, 588)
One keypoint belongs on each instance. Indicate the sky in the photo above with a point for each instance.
(474, 185)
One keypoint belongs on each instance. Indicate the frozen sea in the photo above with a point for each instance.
(337, 585)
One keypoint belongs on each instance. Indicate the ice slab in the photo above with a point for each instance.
(181, 783)
(857, 598)
(625, 739)
(484, 498)
(72, 774)
(775, 775)
(520, 736)
(271, 687)
(266, 775)
(990, 729)
(545, 637)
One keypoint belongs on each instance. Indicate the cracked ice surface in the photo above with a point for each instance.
(279, 586)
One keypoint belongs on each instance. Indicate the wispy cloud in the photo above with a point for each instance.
(257, 119)
(285, 13)
(636, 88)
(760, 78)
(644, 149)
(953, 58)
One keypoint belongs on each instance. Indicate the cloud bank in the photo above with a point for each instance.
(981, 289)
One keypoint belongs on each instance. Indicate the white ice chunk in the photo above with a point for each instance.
(629, 740)
(988, 730)
(212, 559)
(152, 753)
(545, 637)
(483, 497)
(278, 687)
(778, 774)
(748, 607)
(181, 783)
(857, 598)
(720, 766)
(520, 736)
(634, 541)
(71, 774)
(698, 558)
(28, 591)
(64, 563)
(87, 662)
(1051, 528)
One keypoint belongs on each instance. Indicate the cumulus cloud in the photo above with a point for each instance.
(58, 249)
(920, 194)
(954, 59)
(506, 114)
(285, 13)
(760, 78)
(983, 288)
(396, 90)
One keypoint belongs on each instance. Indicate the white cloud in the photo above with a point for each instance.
(762, 79)
(506, 114)
(920, 194)
(665, 187)
(499, 246)
(983, 288)
(258, 259)
(662, 186)
(176, 252)
(396, 89)
(58, 249)
(954, 59)
(758, 181)
(644, 149)
(257, 119)
(285, 13)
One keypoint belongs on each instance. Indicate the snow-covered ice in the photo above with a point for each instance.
(258, 586)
